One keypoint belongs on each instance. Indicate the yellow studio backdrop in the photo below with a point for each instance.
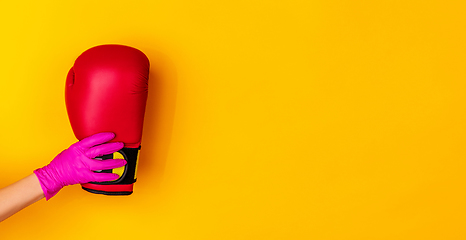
(265, 119)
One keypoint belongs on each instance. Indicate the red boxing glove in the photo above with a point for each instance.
(106, 91)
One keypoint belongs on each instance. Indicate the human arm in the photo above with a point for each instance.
(77, 164)
(19, 195)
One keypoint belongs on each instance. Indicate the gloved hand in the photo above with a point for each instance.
(76, 164)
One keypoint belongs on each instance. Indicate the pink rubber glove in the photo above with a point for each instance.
(76, 164)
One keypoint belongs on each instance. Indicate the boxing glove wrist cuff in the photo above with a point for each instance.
(117, 189)
(124, 184)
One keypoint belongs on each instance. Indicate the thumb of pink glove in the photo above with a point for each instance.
(76, 164)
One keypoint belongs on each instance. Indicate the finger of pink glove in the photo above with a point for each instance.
(104, 177)
(96, 139)
(104, 149)
(96, 165)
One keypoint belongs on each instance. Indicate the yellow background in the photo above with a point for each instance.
(265, 119)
